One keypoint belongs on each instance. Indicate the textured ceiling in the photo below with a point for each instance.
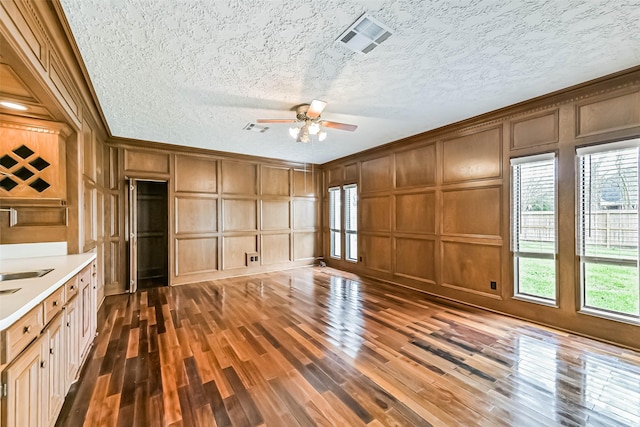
(195, 72)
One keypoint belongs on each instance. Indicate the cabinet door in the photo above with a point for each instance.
(85, 296)
(72, 341)
(53, 381)
(24, 389)
(94, 300)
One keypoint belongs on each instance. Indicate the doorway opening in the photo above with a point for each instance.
(149, 234)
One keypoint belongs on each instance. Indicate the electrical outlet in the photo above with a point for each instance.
(252, 259)
(494, 285)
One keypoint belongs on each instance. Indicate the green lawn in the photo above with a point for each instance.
(608, 287)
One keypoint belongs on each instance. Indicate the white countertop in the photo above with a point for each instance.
(33, 291)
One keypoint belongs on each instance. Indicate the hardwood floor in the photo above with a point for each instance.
(316, 346)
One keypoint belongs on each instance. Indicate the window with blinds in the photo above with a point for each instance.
(534, 229)
(351, 222)
(335, 222)
(608, 227)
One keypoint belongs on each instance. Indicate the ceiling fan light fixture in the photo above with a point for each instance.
(314, 128)
(322, 135)
(294, 132)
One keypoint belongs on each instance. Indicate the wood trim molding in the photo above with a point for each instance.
(160, 147)
(34, 125)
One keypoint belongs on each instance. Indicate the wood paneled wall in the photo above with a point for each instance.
(434, 209)
(222, 207)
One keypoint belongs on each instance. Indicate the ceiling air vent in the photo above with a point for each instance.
(256, 128)
(364, 35)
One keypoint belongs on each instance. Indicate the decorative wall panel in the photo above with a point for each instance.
(415, 258)
(196, 174)
(375, 213)
(276, 249)
(416, 167)
(473, 157)
(305, 182)
(608, 114)
(146, 161)
(239, 215)
(351, 173)
(304, 214)
(197, 255)
(474, 211)
(376, 175)
(538, 130)
(416, 213)
(239, 178)
(471, 267)
(275, 214)
(196, 214)
(275, 181)
(335, 175)
(234, 250)
(376, 252)
(304, 245)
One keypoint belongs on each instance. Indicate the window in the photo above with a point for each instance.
(533, 240)
(351, 222)
(608, 228)
(350, 232)
(335, 221)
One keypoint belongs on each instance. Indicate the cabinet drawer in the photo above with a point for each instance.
(53, 304)
(21, 333)
(72, 287)
(84, 277)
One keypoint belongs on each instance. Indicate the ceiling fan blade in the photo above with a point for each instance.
(316, 108)
(276, 121)
(336, 125)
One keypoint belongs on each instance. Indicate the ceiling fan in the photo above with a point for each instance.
(309, 114)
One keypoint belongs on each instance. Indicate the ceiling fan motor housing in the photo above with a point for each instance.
(301, 113)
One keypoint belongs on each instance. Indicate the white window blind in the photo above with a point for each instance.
(608, 227)
(533, 220)
(351, 222)
(335, 222)
(609, 204)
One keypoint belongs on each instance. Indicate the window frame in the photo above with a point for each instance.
(341, 244)
(353, 231)
(333, 231)
(583, 260)
(516, 254)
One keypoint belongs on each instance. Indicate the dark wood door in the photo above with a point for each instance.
(152, 233)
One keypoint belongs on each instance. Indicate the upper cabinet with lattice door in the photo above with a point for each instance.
(32, 159)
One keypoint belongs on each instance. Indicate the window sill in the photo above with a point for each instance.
(536, 300)
(631, 320)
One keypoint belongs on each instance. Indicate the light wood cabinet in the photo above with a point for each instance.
(85, 293)
(23, 383)
(53, 372)
(32, 155)
(39, 372)
(72, 340)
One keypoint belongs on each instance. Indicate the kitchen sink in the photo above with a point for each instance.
(24, 274)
